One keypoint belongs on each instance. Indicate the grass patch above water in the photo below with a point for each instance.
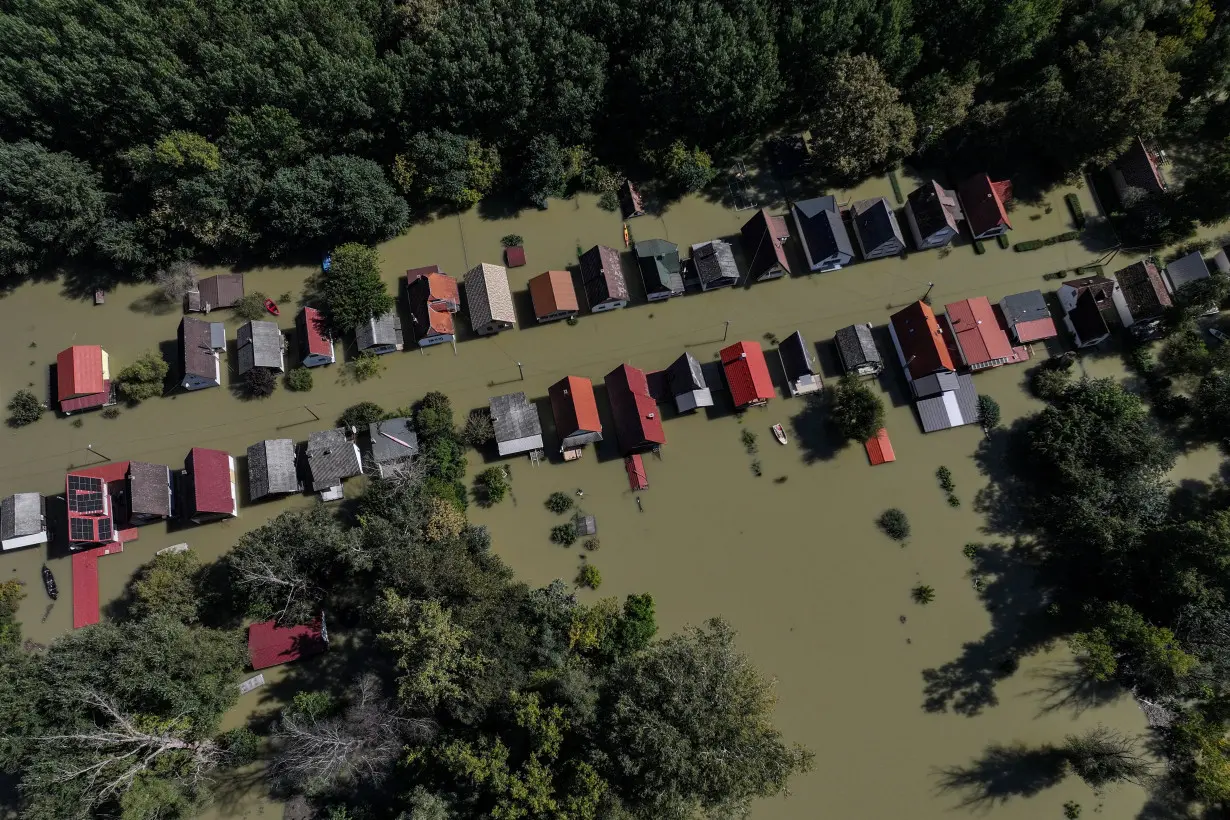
(893, 181)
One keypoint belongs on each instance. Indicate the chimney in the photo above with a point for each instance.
(649, 416)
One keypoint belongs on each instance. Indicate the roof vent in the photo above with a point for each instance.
(743, 355)
(649, 416)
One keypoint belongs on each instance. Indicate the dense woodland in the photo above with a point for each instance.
(134, 133)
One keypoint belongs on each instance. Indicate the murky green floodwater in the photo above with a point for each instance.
(792, 558)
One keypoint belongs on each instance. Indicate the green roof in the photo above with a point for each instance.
(659, 260)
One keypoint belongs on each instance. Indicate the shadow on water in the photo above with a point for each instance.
(1002, 773)
(816, 435)
(1066, 687)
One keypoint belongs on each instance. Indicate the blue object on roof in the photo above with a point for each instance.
(327, 263)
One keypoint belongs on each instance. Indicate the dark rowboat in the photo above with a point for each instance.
(49, 583)
(272, 307)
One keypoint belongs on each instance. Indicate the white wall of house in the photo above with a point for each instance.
(318, 359)
(610, 304)
(439, 339)
(20, 541)
(556, 316)
(659, 296)
(519, 445)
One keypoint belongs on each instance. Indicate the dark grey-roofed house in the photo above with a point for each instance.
(1085, 320)
(394, 444)
(1184, 271)
(932, 213)
(715, 264)
(517, 428)
(857, 350)
(150, 492)
(259, 344)
(659, 264)
(197, 354)
(381, 334)
(213, 292)
(826, 242)
(876, 227)
(1027, 317)
(331, 459)
(1141, 299)
(950, 407)
(272, 469)
(687, 385)
(23, 521)
(602, 276)
(799, 362)
(1221, 260)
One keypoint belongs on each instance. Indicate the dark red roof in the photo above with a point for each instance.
(87, 402)
(1139, 169)
(922, 343)
(514, 257)
(318, 342)
(634, 465)
(574, 406)
(978, 333)
(271, 645)
(79, 371)
(211, 481)
(984, 203)
(638, 425)
(747, 373)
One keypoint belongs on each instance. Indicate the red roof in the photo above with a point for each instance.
(574, 406)
(879, 448)
(979, 336)
(440, 322)
(635, 467)
(85, 589)
(270, 644)
(211, 481)
(87, 402)
(984, 203)
(747, 373)
(79, 371)
(440, 287)
(318, 342)
(514, 257)
(922, 343)
(637, 422)
(1035, 330)
(552, 292)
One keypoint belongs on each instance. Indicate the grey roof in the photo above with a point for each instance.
(196, 348)
(684, 375)
(659, 264)
(876, 223)
(715, 263)
(221, 291)
(514, 417)
(21, 515)
(149, 490)
(217, 335)
(797, 358)
(936, 413)
(271, 468)
(385, 449)
(857, 347)
(603, 275)
(934, 208)
(331, 458)
(1024, 307)
(259, 344)
(934, 384)
(1187, 269)
(381, 330)
(823, 230)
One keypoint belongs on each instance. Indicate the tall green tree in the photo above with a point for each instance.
(352, 289)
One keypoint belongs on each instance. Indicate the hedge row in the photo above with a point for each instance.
(1078, 213)
(1002, 239)
(1034, 244)
(979, 247)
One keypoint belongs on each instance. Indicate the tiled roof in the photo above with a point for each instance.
(979, 337)
(763, 242)
(426, 320)
(221, 291)
(489, 295)
(856, 346)
(79, 371)
(196, 348)
(747, 373)
(330, 458)
(659, 263)
(602, 275)
(20, 515)
(271, 468)
(552, 292)
(1101, 287)
(271, 645)
(876, 223)
(1143, 290)
(638, 425)
(149, 489)
(1139, 169)
(922, 343)
(515, 418)
(87, 402)
(574, 407)
(934, 208)
(393, 440)
(211, 481)
(823, 230)
(258, 344)
(440, 287)
(715, 263)
(1027, 316)
(985, 203)
(314, 339)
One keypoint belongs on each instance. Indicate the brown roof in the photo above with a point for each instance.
(221, 291)
(763, 245)
(149, 489)
(574, 406)
(985, 203)
(426, 320)
(602, 275)
(1143, 290)
(196, 348)
(552, 292)
(934, 208)
(922, 343)
(1139, 169)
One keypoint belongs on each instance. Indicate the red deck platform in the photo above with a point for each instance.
(85, 584)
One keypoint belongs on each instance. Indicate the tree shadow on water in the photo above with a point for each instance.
(1003, 502)
(816, 435)
(1066, 687)
(1003, 772)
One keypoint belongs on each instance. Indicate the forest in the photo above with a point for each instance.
(134, 133)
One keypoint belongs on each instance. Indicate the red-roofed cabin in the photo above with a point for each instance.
(980, 341)
(315, 343)
(747, 374)
(272, 645)
(442, 291)
(920, 342)
(637, 424)
(90, 514)
(985, 204)
(879, 448)
(514, 257)
(83, 379)
(210, 492)
(576, 413)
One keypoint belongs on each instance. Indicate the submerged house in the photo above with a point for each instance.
(491, 302)
(602, 276)
(943, 398)
(826, 242)
(23, 521)
(1141, 299)
(1087, 304)
(91, 514)
(83, 379)
(214, 292)
(660, 271)
(630, 204)
(638, 426)
(199, 343)
(394, 445)
(441, 291)
(315, 343)
(1027, 317)
(1138, 168)
(686, 382)
(1184, 271)
(151, 492)
(876, 227)
(259, 344)
(799, 363)
(330, 458)
(985, 205)
(857, 350)
(933, 215)
(747, 373)
(553, 296)
(211, 490)
(764, 244)
(433, 298)
(981, 342)
(714, 262)
(576, 414)
(272, 469)
(517, 428)
(381, 335)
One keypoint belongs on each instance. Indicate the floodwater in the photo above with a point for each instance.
(791, 558)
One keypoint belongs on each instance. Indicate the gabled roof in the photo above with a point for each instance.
(879, 448)
(149, 489)
(1139, 169)
(425, 319)
(314, 340)
(331, 458)
(951, 408)
(393, 440)
(514, 418)
(379, 330)
(489, 295)
(747, 373)
(21, 515)
(196, 348)
(922, 343)
(1101, 287)
(1143, 290)
(258, 344)
(934, 209)
(221, 291)
(797, 358)
(638, 425)
(684, 375)
(271, 645)
(979, 337)
(985, 203)
(211, 481)
(1185, 269)
(79, 371)
(573, 406)
(271, 468)
(1086, 317)
(440, 287)
(876, 223)
(715, 263)
(630, 200)
(552, 292)
(822, 228)
(857, 346)
(602, 275)
(659, 264)
(764, 242)
(1027, 316)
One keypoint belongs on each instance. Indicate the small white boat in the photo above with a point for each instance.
(1218, 335)
(779, 434)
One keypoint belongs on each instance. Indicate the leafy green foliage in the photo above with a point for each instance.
(11, 593)
(240, 745)
(857, 410)
(251, 306)
(447, 167)
(361, 415)
(168, 586)
(564, 534)
(429, 650)
(589, 576)
(922, 594)
(144, 378)
(988, 412)
(894, 523)
(687, 171)
(559, 503)
(352, 290)
(24, 408)
(299, 380)
(859, 124)
(366, 366)
(493, 484)
(258, 383)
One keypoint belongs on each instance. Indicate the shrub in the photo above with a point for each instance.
(896, 185)
(299, 380)
(24, 408)
(608, 201)
(749, 441)
(1034, 244)
(953, 501)
(258, 383)
(944, 475)
(988, 412)
(1048, 382)
(511, 240)
(366, 366)
(143, 379)
(111, 413)
(494, 483)
(970, 551)
(77, 423)
(558, 503)
(251, 307)
(1002, 239)
(857, 410)
(479, 429)
(1078, 213)
(895, 525)
(564, 534)
(360, 415)
(592, 544)
(979, 247)
(240, 745)
(589, 576)
(923, 594)
(1027, 245)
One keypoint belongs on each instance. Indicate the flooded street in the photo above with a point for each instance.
(791, 558)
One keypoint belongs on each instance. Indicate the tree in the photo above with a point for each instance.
(666, 709)
(433, 417)
(11, 593)
(431, 651)
(444, 520)
(493, 482)
(1124, 646)
(589, 576)
(633, 629)
(144, 378)
(352, 290)
(258, 383)
(1185, 352)
(447, 167)
(547, 171)
(1193, 299)
(988, 412)
(857, 411)
(167, 586)
(558, 503)
(176, 280)
(250, 307)
(1103, 756)
(337, 197)
(687, 171)
(859, 124)
(361, 415)
(479, 429)
(1049, 382)
(299, 380)
(1211, 404)
(24, 408)
(940, 104)
(895, 524)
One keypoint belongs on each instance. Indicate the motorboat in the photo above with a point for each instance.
(779, 433)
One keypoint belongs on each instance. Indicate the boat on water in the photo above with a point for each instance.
(779, 433)
(100, 297)
(627, 236)
(272, 307)
(327, 262)
(49, 583)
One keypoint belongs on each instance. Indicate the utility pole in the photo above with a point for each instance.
(520, 371)
(90, 447)
(927, 296)
(725, 330)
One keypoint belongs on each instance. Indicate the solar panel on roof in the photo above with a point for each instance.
(104, 529)
(85, 502)
(82, 529)
(85, 483)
